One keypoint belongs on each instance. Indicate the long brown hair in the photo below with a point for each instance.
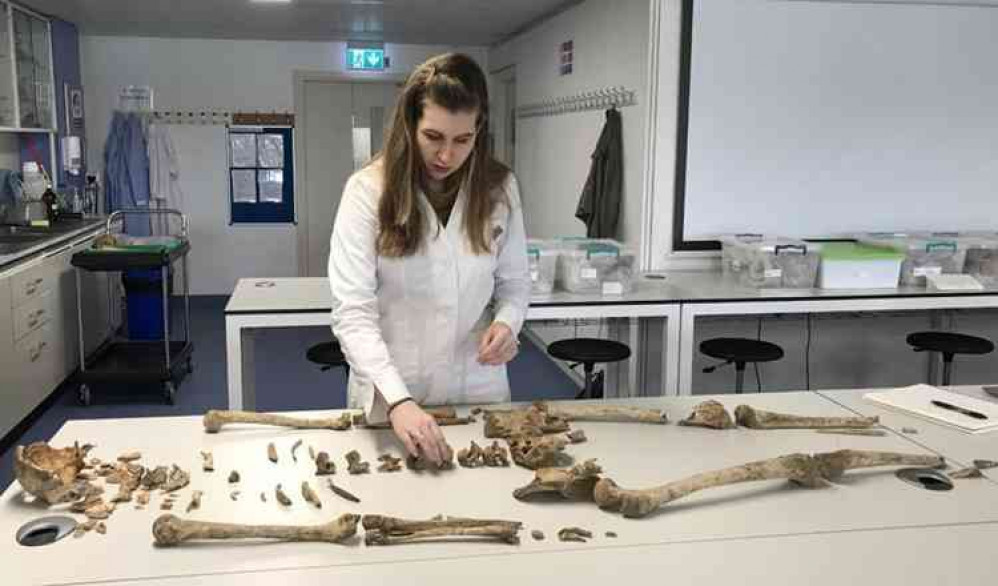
(456, 83)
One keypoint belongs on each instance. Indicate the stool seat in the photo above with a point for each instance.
(950, 343)
(326, 354)
(589, 350)
(741, 350)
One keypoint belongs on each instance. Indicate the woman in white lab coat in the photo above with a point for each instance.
(427, 263)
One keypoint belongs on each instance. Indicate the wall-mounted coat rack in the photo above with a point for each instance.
(600, 99)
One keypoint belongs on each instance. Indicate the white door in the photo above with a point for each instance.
(342, 127)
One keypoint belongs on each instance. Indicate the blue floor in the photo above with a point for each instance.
(281, 364)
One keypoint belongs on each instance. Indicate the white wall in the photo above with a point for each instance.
(10, 153)
(230, 75)
(553, 152)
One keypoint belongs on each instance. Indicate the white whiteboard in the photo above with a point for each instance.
(810, 118)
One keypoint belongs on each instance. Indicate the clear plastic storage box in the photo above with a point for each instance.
(925, 253)
(756, 261)
(596, 266)
(542, 257)
(982, 256)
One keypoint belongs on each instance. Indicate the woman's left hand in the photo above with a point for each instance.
(498, 345)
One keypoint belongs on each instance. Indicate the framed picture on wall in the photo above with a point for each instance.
(74, 109)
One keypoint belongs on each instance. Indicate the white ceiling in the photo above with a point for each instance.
(456, 22)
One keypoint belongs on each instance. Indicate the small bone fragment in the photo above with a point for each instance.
(99, 511)
(101, 528)
(208, 465)
(538, 452)
(848, 431)
(575, 483)
(79, 532)
(311, 453)
(234, 495)
(89, 525)
(574, 534)
(537, 534)
(128, 477)
(155, 478)
(909, 430)
(495, 456)
(87, 475)
(966, 473)
(389, 463)
(233, 477)
(711, 414)
(759, 419)
(341, 492)
(171, 530)
(611, 534)
(985, 464)
(214, 420)
(811, 471)
(471, 457)
(576, 436)
(90, 502)
(272, 452)
(195, 501)
(281, 497)
(263, 497)
(355, 465)
(130, 456)
(142, 497)
(381, 530)
(166, 506)
(418, 463)
(177, 479)
(309, 495)
(324, 465)
(294, 448)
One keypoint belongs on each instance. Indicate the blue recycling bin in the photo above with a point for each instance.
(144, 302)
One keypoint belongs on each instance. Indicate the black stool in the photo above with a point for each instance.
(328, 355)
(949, 344)
(740, 351)
(588, 352)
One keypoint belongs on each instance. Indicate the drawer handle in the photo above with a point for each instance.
(32, 323)
(39, 280)
(35, 356)
(30, 290)
(42, 345)
(40, 313)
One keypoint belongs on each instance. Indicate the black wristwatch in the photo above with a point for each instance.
(396, 404)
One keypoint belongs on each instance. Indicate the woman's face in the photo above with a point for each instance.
(445, 139)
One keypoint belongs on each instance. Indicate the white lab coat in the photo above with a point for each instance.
(164, 168)
(411, 326)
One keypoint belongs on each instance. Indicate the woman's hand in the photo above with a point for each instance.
(498, 345)
(419, 432)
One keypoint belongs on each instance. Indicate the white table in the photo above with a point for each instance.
(296, 302)
(964, 448)
(709, 294)
(894, 530)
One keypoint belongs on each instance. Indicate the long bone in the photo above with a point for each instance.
(575, 483)
(759, 419)
(215, 419)
(812, 471)
(172, 530)
(382, 530)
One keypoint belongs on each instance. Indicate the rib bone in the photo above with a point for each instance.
(812, 471)
(759, 419)
(381, 530)
(172, 530)
(214, 420)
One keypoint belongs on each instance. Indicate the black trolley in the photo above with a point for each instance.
(119, 360)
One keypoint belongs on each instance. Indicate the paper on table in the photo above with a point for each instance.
(917, 400)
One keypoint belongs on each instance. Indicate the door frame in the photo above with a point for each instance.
(301, 77)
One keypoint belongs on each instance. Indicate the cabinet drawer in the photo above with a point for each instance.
(34, 314)
(36, 359)
(31, 282)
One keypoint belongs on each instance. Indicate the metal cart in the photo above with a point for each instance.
(120, 360)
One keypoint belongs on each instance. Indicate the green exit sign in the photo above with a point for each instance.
(366, 59)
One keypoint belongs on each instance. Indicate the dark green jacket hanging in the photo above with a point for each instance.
(599, 206)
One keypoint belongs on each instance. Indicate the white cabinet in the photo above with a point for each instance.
(27, 92)
(39, 332)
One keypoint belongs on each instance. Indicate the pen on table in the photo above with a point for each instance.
(961, 410)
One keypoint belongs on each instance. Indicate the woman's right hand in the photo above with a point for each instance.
(419, 432)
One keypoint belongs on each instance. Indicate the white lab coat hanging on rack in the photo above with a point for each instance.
(411, 326)
(164, 168)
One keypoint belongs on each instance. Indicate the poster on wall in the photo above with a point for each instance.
(74, 109)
